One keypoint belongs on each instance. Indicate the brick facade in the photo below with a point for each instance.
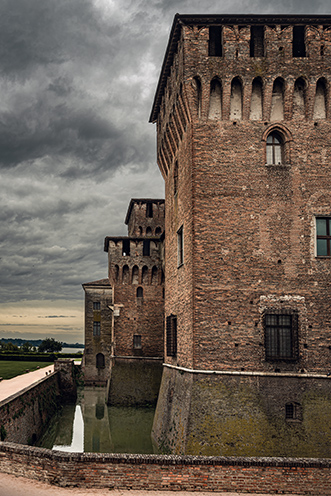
(242, 111)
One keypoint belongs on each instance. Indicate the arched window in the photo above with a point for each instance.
(158, 231)
(100, 361)
(198, 95)
(140, 292)
(126, 275)
(140, 231)
(256, 100)
(149, 231)
(215, 100)
(275, 148)
(277, 102)
(135, 275)
(116, 270)
(320, 100)
(236, 100)
(145, 274)
(154, 275)
(299, 97)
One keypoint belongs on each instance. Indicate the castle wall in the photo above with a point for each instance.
(243, 415)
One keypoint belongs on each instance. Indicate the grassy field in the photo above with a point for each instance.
(9, 369)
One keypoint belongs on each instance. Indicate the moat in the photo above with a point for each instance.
(92, 426)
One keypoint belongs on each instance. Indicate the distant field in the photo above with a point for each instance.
(9, 369)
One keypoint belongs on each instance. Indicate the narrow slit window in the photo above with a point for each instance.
(257, 41)
(298, 45)
(146, 248)
(171, 335)
(125, 247)
(215, 41)
(149, 209)
(180, 247)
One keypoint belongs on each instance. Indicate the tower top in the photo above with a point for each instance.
(207, 20)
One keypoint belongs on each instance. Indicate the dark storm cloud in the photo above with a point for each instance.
(77, 83)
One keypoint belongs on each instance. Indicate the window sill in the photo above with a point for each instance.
(323, 257)
(278, 166)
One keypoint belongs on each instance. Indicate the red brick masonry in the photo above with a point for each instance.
(168, 472)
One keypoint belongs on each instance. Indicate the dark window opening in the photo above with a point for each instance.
(257, 41)
(100, 361)
(322, 50)
(158, 231)
(180, 247)
(149, 209)
(299, 46)
(281, 335)
(96, 328)
(323, 236)
(96, 305)
(215, 41)
(126, 247)
(137, 342)
(293, 411)
(146, 248)
(140, 292)
(275, 149)
(171, 335)
(99, 411)
(149, 231)
(176, 178)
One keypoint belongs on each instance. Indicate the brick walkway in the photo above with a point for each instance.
(17, 486)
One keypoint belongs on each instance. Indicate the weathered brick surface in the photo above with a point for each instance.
(24, 416)
(249, 228)
(143, 472)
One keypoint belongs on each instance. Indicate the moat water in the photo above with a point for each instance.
(92, 426)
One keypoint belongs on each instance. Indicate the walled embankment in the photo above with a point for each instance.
(167, 472)
(23, 416)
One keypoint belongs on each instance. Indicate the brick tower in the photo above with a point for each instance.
(242, 111)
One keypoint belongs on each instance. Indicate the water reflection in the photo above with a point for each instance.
(92, 426)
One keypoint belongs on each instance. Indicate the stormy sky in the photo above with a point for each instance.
(77, 81)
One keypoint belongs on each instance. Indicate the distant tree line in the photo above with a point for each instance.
(48, 345)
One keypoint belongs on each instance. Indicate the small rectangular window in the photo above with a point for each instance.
(146, 247)
(323, 236)
(257, 41)
(149, 209)
(96, 305)
(298, 45)
(96, 328)
(215, 48)
(171, 335)
(126, 247)
(180, 246)
(137, 342)
(281, 331)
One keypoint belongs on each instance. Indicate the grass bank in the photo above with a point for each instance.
(10, 368)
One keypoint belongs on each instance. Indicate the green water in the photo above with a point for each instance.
(92, 426)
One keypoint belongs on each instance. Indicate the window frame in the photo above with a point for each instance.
(273, 147)
(171, 335)
(275, 351)
(96, 328)
(326, 237)
(180, 247)
(96, 305)
(136, 343)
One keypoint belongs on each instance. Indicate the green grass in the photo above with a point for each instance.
(10, 369)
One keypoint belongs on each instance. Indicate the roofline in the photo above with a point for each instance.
(143, 200)
(206, 19)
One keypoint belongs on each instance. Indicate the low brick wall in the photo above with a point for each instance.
(168, 472)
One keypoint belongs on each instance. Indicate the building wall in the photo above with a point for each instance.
(98, 337)
(249, 228)
(145, 217)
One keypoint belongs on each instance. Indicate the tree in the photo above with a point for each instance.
(27, 347)
(50, 345)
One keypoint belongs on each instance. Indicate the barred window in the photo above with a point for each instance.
(96, 305)
(293, 411)
(323, 236)
(171, 335)
(96, 328)
(281, 331)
